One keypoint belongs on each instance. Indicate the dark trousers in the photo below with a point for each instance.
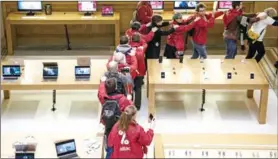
(108, 150)
(138, 91)
(231, 48)
(258, 47)
(170, 52)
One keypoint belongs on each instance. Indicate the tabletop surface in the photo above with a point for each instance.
(61, 16)
(168, 15)
(210, 72)
(46, 144)
(33, 69)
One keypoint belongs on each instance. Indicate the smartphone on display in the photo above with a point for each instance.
(162, 74)
(160, 59)
(252, 76)
(229, 75)
(151, 116)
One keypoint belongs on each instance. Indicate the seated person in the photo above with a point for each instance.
(135, 28)
(125, 56)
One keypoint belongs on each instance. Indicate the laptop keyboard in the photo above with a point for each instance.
(74, 155)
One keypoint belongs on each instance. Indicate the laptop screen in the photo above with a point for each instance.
(11, 70)
(51, 71)
(82, 70)
(107, 10)
(185, 4)
(24, 156)
(65, 147)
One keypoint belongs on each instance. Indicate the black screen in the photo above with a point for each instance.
(24, 156)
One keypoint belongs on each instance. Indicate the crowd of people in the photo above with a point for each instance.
(120, 89)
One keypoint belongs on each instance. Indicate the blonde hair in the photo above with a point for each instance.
(127, 117)
(113, 66)
(270, 12)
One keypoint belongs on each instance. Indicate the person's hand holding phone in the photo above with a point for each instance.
(151, 121)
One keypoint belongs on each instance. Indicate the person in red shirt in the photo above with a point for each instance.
(199, 39)
(127, 138)
(136, 27)
(144, 12)
(129, 60)
(140, 56)
(175, 41)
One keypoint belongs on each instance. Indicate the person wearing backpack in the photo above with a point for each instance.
(124, 80)
(175, 42)
(127, 138)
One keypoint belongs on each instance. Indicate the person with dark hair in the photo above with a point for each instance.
(154, 46)
(175, 42)
(231, 31)
(199, 38)
(127, 138)
(135, 28)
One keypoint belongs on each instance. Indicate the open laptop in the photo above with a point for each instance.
(66, 149)
(24, 155)
(11, 72)
(107, 11)
(50, 71)
(84, 61)
(82, 72)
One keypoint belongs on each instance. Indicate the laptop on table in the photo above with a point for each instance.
(82, 72)
(66, 149)
(11, 72)
(50, 71)
(24, 155)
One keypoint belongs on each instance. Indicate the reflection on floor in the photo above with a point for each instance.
(177, 112)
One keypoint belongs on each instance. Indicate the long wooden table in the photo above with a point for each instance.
(46, 147)
(58, 18)
(31, 78)
(190, 75)
(215, 146)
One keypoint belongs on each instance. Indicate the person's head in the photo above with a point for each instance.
(123, 40)
(136, 25)
(271, 12)
(236, 4)
(201, 9)
(113, 66)
(127, 116)
(119, 58)
(136, 37)
(157, 20)
(110, 85)
(177, 17)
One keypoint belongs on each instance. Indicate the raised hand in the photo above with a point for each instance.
(154, 29)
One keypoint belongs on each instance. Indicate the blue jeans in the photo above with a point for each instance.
(231, 48)
(108, 150)
(199, 50)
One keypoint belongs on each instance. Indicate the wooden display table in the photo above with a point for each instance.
(46, 146)
(190, 75)
(215, 146)
(59, 18)
(31, 78)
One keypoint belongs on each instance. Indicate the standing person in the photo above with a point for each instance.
(199, 39)
(175, 42)
(144, 12)
(231, 31)
(127, 138)
(257, 32)
(154, 46)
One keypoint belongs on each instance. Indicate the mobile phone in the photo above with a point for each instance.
(229, 75)
(160, 59)
(252, 76)
(151, 116)
(181, 59)
(162, 74)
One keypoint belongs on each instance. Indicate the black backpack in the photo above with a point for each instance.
(120, 84)
(110, 114)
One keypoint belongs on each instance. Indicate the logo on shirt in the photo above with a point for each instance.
(124, 142)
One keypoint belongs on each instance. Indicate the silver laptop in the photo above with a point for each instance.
(25, 155)
(66, 149)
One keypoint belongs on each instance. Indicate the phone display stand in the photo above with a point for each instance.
(160, 59)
